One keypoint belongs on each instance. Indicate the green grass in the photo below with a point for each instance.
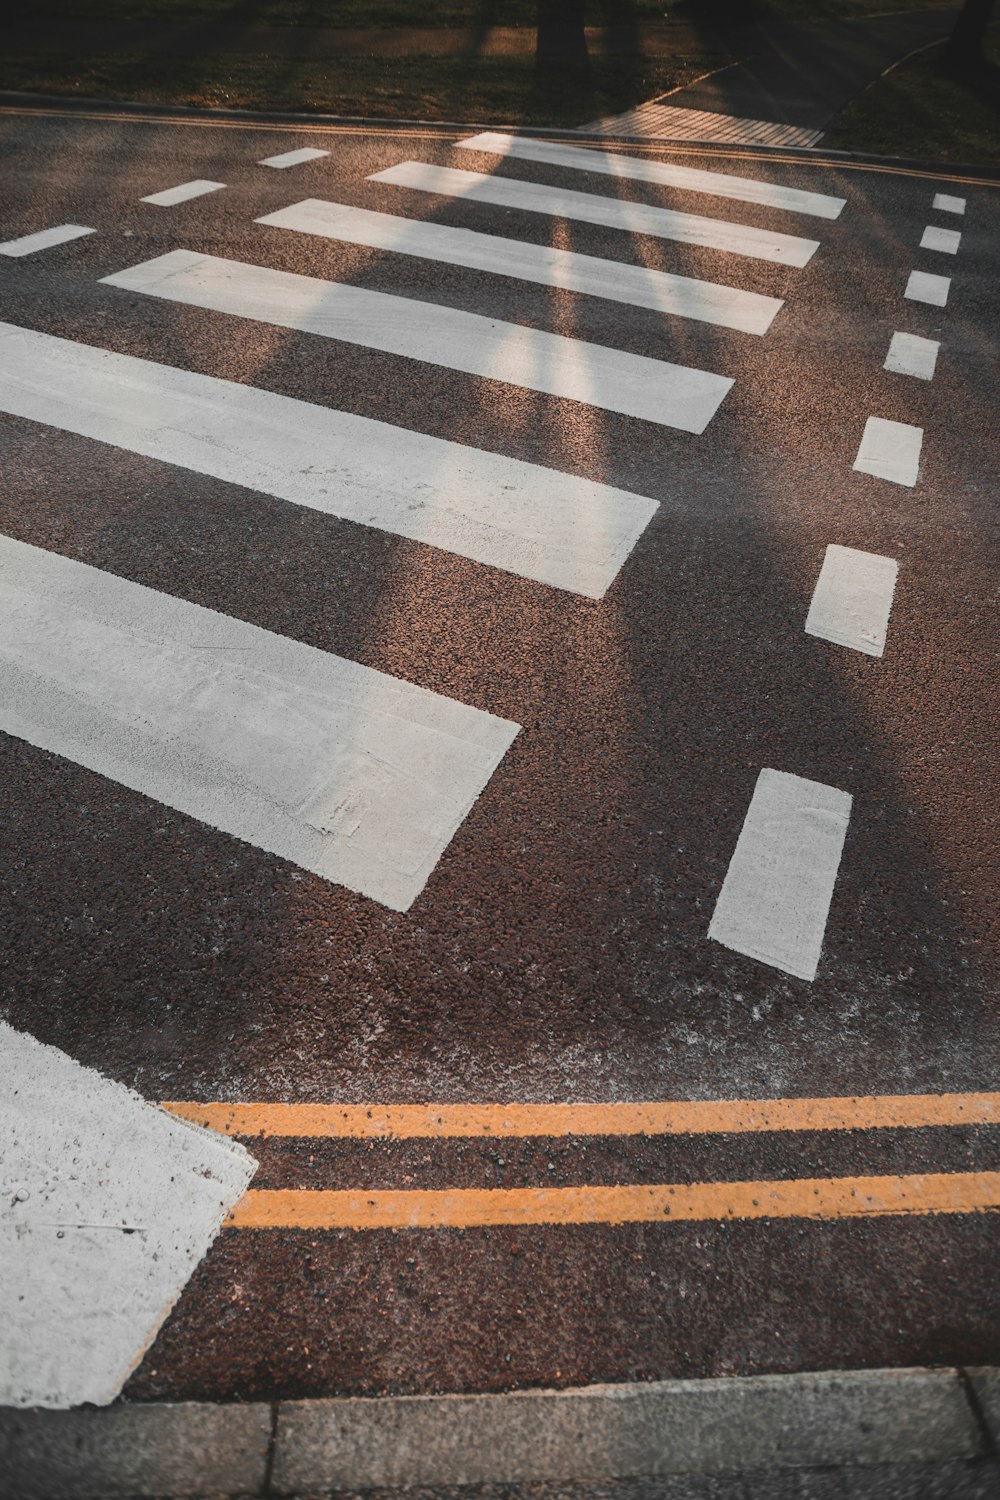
(922, 111)
(504, 90)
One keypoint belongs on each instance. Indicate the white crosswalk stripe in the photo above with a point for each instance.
(589, 275)
(344, 771)
(655, 390)
(614, 213)
(662, 173)
(555, 528)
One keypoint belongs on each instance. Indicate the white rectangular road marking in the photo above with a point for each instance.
(947, 240)
(923, 286)
(349, 773)
(569, 532)
(108, 1205)
(949, 205)
(665, 174)
(183, 192)
(615, 213)
(853, 599)
(776, 896)
(890, 450)
(293, 158)
(682, 296)
(649, 388)
(911, 355)
(44, 238)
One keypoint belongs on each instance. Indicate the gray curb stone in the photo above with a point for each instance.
(191, 1448)
(674, 1427)
(668, 1427)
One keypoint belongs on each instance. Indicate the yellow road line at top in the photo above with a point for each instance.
(431, 129)
(473, 1208)
(671, 1117)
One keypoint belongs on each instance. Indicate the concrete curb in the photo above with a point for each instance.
(671, 1427)
(947, 171)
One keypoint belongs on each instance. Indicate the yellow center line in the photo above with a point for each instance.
(671, 1117)
(472, 1208)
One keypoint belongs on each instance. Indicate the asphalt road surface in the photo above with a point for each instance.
(241, 868)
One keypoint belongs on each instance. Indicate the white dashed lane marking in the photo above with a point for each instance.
(946, 240)
(664, 174)
(183, 192)
(612, 213)
(890, 450)
(924, 286)
(606, 378)
(853, 599)
(682, 296)
(911, 355)
(351, 774)
(555, 528)
(44, 238)
(107, 1206)
(293, 158)
(776, 896)
(949, 205)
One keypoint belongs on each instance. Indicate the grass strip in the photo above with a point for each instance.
(924, 111)
(502, 90)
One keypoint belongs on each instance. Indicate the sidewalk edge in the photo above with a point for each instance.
(692, 1427)
(12, 101)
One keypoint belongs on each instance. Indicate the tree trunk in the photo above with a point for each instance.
(560, 31)
(966, 42)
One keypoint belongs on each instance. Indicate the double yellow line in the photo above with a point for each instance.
(469, 1208)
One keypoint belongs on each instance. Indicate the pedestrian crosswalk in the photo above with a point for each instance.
(612, 213)
(360, 778)
(569, 270)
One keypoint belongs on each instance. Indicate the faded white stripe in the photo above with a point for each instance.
(853, 599)
(949, 205)
(293, 158)
(44, 238)
(107, 1206)
(682, 296)
(183, 192)
(347, 772)
(614, 213)
(652, 389)
(555, 528)
(776, 896)
(923, 286)
(890, 450)
(911, 355)
(947, 240)
(664, 174)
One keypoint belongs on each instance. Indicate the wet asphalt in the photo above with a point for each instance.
(559, 951)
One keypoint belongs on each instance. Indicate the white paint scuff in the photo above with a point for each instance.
(558, 529)
(107, 1205)
(911, 355)
(890, 450)
(180, 194)
(664, 174)
(613, 213)
(948, 204)
(946, 240)
(924, 286)
(356, 776)
(652, 389)
(776, 896)
(589, 275)
(43, 239)
(293, 158)
(853, 599)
